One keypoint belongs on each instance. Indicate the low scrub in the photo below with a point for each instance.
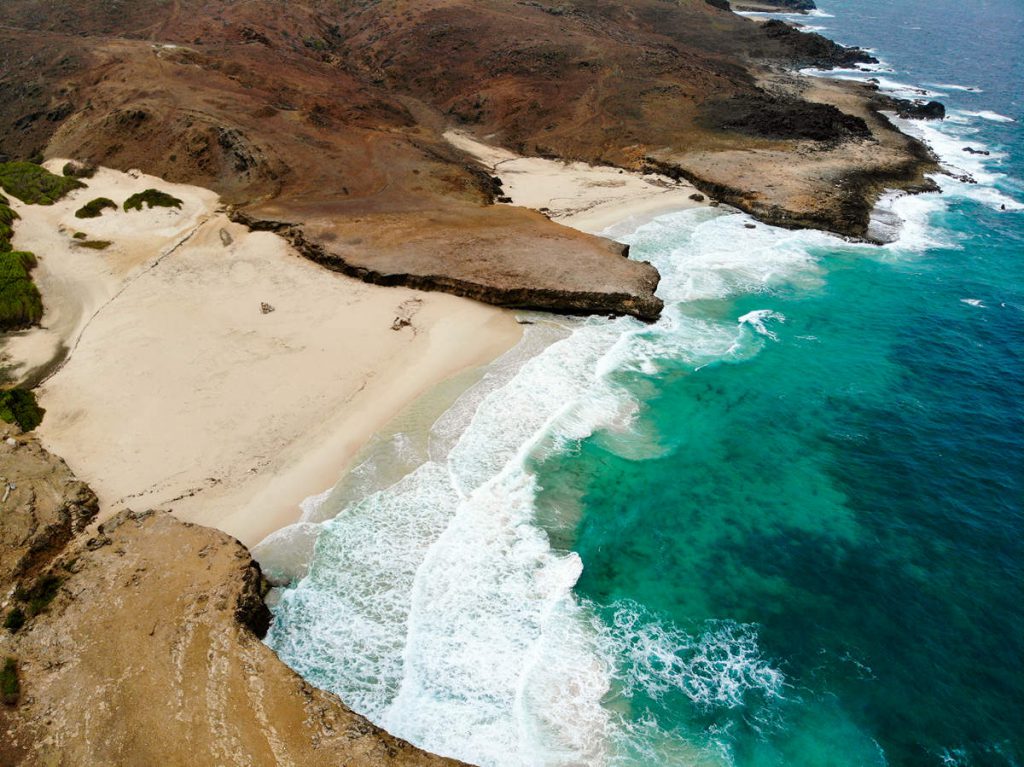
(7, 219)
(34, 184)
(10, 685)
(19, 406)
(154, 198)
(38, 597)
(95, 244)
(95, 208)
(15, 620)
(20, 302)
(78, 170)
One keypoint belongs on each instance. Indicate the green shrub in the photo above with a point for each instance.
(95, 208)
(153, 198)
(19, 406)
(15, 620)
(33, 184)
(7, 219)
(80, 236)
(95, 244)
(20, 302)
(38, 597)
(10, 686)
(78, 170)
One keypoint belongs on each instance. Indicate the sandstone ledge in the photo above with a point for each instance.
(516, 259)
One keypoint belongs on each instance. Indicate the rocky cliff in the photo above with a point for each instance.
(140, 644)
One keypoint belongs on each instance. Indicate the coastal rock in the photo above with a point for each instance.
(921, 110)
(43, 507)
(772, 116)
(519, 265)
(150, 654)
(784, 6)
(809, 49)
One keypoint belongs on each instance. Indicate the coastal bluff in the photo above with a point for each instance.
(145, 648)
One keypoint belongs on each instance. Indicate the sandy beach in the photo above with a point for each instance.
(590, 198)
(183, 391)
(255, 376)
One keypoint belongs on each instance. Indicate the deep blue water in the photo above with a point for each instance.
(782, 526)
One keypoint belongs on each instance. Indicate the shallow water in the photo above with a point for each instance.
(782, 526)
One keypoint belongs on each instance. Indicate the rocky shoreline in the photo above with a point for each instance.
(132, 658)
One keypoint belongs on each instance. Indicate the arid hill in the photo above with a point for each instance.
(329, 114)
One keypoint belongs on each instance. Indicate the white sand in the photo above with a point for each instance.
(180, 393)
(590, 198)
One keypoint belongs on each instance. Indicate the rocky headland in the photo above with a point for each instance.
(139, 643)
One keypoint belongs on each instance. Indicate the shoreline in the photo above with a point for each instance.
(229, 414)
(589, 198)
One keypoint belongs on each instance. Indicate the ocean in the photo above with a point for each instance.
(782, 526)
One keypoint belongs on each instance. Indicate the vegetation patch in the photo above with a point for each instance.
(15, 620)
(95, 208)
(19, 406)
(80, 236)
(154, 198)
(38, 597)
(10, 685)
(20, 302)
(7, 219)
(95, 244)
(34, 184)
(79, 170)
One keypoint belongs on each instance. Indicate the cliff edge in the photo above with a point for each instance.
(139, 645)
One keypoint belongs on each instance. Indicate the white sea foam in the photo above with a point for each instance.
(757, 319)
(986, 114)
(437, 606)
(955, 87)
(973, 302)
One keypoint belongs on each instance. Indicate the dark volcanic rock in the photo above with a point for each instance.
(796, 5)
(722, 4)
(810, 49)
(768, 116)
(918, 110)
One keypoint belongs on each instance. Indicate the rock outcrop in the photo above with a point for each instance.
(460, 252)
(42, 507)
(147, 650)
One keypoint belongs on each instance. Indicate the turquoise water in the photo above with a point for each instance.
(783, 526)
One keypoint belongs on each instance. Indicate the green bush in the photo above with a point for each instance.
(38, 597)
(20, 302)
(19, 406)
(34, 184)
(7, 219)
(95, 244)
(10, 686)
(95, 208)
(153, 198)
(78, 170)
(15, 620)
